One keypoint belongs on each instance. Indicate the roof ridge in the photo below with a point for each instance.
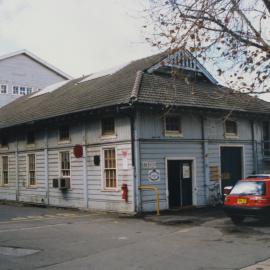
(136, 86)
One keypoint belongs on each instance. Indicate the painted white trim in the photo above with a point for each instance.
(107, 136)
(198, 66)
(12, 92)
(5, 84)
(66, 141)
(243, 159)
(170, 133)
(27, 171)
(228, 135)
(59, 165)
(194, 178)
(103, 186)
(39, 60)
(1, 172)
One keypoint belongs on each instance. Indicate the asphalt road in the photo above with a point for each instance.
(54, 239)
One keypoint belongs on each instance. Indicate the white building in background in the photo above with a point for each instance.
(22, 73)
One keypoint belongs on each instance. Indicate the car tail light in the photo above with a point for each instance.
(260, 200)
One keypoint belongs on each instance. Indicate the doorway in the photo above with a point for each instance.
(179, 183)
(231, 165)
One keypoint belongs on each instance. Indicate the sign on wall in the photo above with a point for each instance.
(154, 175)
(214, 173)
(186, 170)
(124, 154)
(149, 164)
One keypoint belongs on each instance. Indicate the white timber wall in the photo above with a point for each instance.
(96, 197)
(156, 147)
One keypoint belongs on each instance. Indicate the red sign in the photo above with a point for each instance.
(78, 151)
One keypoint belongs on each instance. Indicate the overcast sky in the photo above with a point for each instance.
(77, 36)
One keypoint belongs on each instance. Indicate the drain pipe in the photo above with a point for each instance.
(137, 183)
(205, 159)
(17, 171)
(46, 166)
(254, 148)
(85, 176)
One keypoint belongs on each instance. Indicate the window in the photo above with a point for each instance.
(110, 168)
(173, 125)
(4, 142)
(15, 90)
(107, 126)
(64, 133)
(230, 127)
(22, 90)
(244, 188)
(30, 137)
(28, 90)
(3, 89)
(5, 170)
(65, 164)
(31, 169)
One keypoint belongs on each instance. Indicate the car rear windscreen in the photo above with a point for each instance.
(249, 188)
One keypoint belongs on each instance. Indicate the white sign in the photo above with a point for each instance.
(125, 163)
(154, 175)
(186, 170)
(149, 164)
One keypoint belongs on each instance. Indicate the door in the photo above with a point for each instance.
(231, 165)
(179, 183)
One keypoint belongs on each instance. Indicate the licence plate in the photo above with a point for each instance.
(241, 201)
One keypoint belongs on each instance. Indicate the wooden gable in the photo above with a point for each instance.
(183, 60)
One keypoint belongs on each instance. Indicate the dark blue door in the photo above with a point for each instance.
(180, 183)
(231, 165)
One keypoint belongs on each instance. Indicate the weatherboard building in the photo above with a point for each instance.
(93, 142)
(23, 73)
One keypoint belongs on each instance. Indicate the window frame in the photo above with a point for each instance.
(6, 85)
(20, 93)
(230, 134)
(29, 170)
(173, 133)
(2, 170)
(64, 140)
(17, 89)
(60, 165)
(27, 90)
(110, 134)
(103, 174)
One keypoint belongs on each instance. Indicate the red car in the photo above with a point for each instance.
(248, 198)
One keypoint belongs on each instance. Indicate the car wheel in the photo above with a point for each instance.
(237, 220)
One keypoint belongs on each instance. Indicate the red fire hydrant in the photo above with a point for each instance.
(124, 190)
